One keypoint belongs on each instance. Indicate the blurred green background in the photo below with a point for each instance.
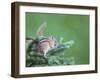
(68, 26)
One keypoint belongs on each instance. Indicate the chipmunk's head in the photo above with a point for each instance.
(53, 42)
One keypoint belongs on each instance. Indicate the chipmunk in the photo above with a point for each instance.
(44, 44)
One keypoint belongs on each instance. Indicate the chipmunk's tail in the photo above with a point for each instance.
(41, 29)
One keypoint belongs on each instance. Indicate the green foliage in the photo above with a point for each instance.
(54, 57)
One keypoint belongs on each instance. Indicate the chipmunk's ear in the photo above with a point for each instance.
(41, 29)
